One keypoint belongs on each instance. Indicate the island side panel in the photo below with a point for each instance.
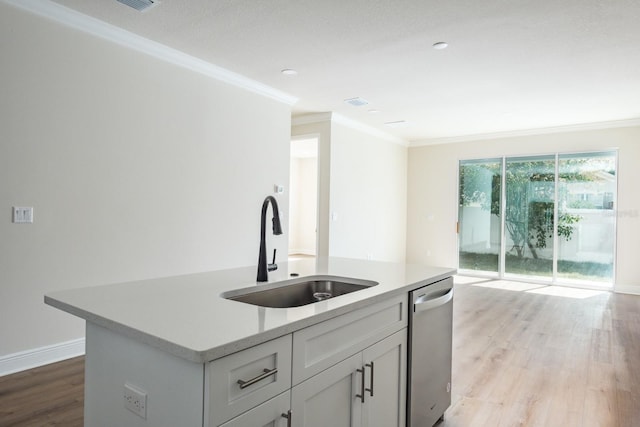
(174, 386)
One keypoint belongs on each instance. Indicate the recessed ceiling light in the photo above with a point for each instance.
(289, 72)
(356, 102)
(440, 45)
(374, 111)
(396, 124)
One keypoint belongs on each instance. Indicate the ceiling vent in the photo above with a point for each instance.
(356, 102)
(139, 5)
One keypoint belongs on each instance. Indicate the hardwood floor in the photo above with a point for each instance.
(51, 395)
(544, 356)
(522, 357)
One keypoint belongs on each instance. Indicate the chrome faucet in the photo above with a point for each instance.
(263, 268)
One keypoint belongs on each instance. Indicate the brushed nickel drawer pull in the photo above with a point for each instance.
(370, 390)
(361, 395)
(265, 374)
(288, 417)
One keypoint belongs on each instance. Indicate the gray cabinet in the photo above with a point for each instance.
(386, 376)
(329, 398)
(366, 389)
(315, 375)
(347, 371)
(272, 413)
(243, 380)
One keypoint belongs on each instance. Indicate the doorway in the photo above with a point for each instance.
(303, 197)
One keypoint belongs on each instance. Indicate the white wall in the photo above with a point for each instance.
(363, 181)
(368, 196)
(136, 168)
(432, 192)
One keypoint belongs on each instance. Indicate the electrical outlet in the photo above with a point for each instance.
(135, 400)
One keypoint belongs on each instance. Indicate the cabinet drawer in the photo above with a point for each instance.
(270, 413)
(243, 380)
(322, 345)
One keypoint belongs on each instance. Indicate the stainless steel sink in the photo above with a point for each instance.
(297, 292)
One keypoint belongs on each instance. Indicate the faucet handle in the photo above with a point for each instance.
(273, 265)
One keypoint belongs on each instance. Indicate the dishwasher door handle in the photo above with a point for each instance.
(426, 302)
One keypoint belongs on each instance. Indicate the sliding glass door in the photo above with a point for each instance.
(528, 219)
(479, 220)
(548, 218)
(586, 226)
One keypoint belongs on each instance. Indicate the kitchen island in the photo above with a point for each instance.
(172, 351)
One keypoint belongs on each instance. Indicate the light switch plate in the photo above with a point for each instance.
(22, 215)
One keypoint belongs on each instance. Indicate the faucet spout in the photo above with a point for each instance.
(263, 269)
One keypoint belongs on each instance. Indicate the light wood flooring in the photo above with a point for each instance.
(544, 356)
(521, 358)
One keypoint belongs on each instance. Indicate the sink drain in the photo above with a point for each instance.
(319, 296)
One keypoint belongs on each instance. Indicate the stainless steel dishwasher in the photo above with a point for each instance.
(429, 353)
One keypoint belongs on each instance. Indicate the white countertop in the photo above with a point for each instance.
(187, 317)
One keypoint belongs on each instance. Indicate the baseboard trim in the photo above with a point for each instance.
(29, 359)
(627, 289)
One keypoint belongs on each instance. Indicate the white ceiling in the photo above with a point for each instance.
(511, 64)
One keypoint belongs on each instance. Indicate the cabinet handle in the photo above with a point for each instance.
(265, 374)
(361, 395)
(288, 417)
(370, 390)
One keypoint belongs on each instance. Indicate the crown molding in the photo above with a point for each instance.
(350, 123)
(306, 119)
(529, 132)
(105, 31)
(355, 125)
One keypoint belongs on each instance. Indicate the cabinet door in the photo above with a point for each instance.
(329, 398)
(269, 414)
(385, 380)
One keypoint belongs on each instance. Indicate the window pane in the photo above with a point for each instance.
(586, 224)
(478, 214)
(530, 194)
